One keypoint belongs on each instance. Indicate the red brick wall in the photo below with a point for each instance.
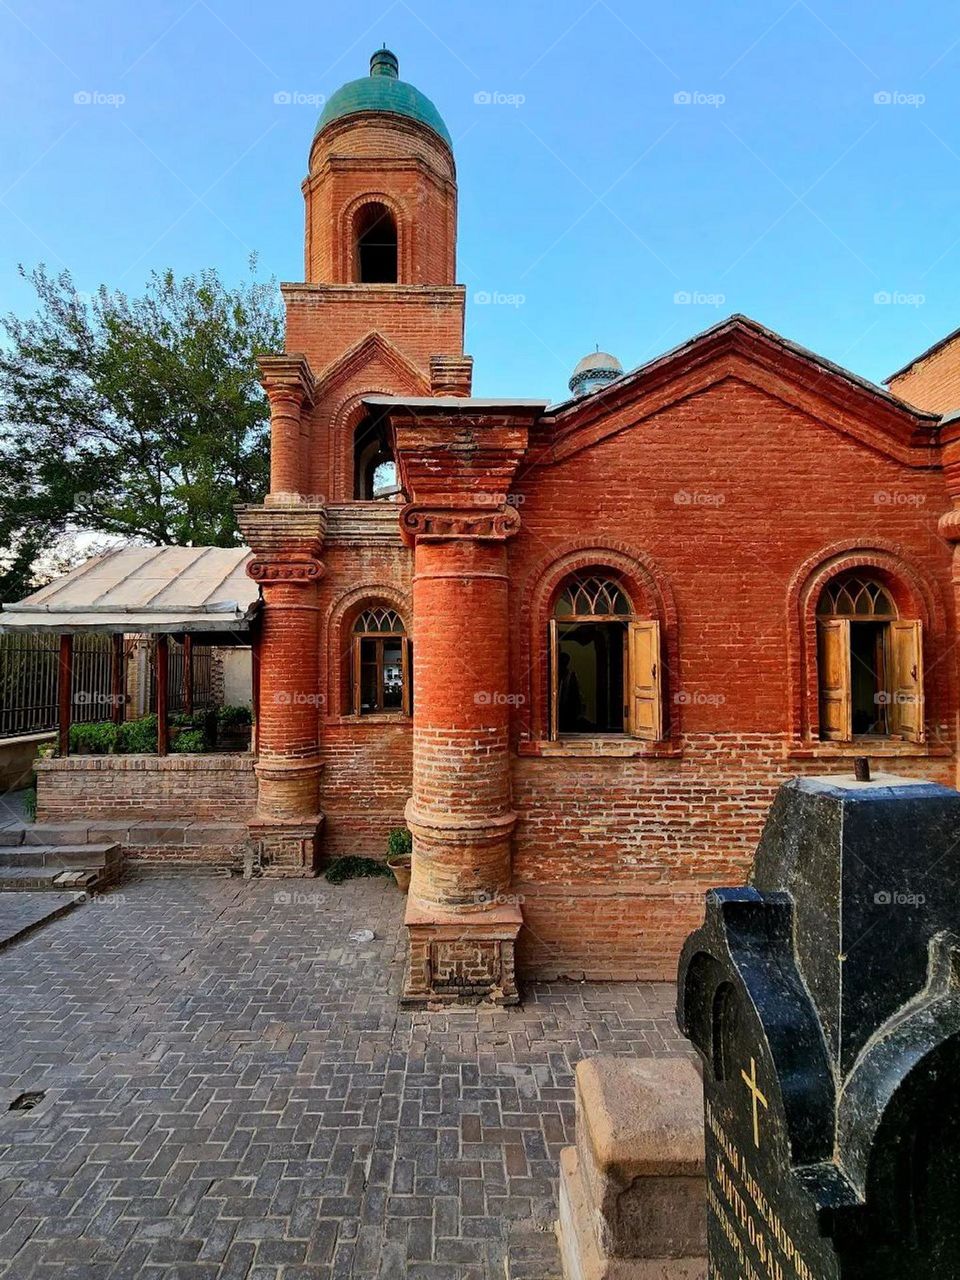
(135, 788)
(932, 383)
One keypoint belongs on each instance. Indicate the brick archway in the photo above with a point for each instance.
(337, 628)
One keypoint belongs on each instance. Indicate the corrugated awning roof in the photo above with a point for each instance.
(163, 589)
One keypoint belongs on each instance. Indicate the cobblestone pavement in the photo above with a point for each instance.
(232, 1091)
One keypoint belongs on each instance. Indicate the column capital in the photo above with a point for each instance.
(286, 541)
(287, 377)
(439, 522)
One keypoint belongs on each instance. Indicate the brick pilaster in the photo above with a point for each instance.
(289, 385)
(287, 541)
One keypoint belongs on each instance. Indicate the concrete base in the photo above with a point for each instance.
(632, 1191)
(289, 850)
(455, 957)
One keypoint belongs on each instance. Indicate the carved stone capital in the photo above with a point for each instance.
(300, 571)
(428, 523)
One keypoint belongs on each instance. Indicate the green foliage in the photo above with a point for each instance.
(353, 868)
(190, 741)
(399, 843)
(30, 803)
(141, 417)
(234, 717)
(98, 738)
(137, 736)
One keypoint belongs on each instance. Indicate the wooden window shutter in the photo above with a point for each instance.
(407, 675)
(553, 678)
(906, 680)
(356, 675)
(645, 704)
(833, 670)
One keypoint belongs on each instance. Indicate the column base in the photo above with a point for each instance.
(455, 958)
(289, 849)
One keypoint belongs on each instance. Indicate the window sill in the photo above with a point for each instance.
(872, 747)
(376, 717)
(612, 747)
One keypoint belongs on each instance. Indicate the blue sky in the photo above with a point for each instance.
(814, 168)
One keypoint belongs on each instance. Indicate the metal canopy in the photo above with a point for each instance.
(155, 589)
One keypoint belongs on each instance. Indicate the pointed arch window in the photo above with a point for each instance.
(375, 245)
(605, 672)
(869, 663)
(382, 663)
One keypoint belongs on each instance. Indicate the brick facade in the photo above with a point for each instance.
(722, 485)
(932, 381)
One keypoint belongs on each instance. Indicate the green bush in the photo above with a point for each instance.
(352, 868)
(30, 803)
(399, 843)
(137, 736)
(234, 717)
(189, 742)
(99, 737)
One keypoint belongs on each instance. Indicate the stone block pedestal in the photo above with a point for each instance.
(289, 849)
(456, 956)
(633, 1202)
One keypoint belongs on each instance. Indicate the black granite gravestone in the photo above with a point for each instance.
(825, 1001)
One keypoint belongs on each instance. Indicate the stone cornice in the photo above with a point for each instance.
(289, 532)
(287, 373)
(477, 522)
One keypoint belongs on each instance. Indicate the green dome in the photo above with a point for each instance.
(383, 91)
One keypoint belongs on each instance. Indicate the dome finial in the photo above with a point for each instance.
(594, 371)
(385, 63)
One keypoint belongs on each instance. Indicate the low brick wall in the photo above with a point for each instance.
(170, 808)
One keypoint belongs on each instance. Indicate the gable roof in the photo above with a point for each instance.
(743, 325)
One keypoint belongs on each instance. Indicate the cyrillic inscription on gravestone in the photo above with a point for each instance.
(824, 999)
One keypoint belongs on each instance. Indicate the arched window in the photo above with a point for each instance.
(382, 664)
(374, 470)
(604, 661)
(870, 663)
(375, 245)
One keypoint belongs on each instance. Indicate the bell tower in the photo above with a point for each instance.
(381, 193)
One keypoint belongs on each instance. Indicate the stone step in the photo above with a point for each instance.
(14, 833)
(14, 879)
(63, 855)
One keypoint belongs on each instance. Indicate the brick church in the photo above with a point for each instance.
(574, 647)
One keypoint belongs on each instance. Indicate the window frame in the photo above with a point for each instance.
(356, 665)
(633, 626)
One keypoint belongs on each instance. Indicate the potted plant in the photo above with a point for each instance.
(400, 856)
(233, 728)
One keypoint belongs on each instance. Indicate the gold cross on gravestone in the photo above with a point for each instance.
(756, 1097)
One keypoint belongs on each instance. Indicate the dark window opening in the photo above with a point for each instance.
(374, 469)
(590, 676)
(376, 245)
(868, 682)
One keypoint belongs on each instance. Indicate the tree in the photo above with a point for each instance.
(141, 418)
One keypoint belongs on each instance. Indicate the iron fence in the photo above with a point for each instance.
(30, 680)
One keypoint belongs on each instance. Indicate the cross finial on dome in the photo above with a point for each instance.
(385, 63)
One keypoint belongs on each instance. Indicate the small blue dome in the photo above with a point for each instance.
(383, 91)
(595, 370)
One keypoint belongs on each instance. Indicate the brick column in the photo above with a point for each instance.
(456, 463)
(289, 385)
(286, 541)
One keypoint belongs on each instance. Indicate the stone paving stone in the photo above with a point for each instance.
(25, 910)
(233, 1093)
